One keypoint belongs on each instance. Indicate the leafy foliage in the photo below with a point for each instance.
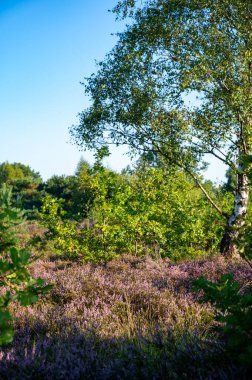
(172, 52)
(10, 218)
(234, 312)
(62, 231)
(145, 212)
(70, 238)
(26, 186)
(149, 211)
(74, 190)
(15, 279)
(17, 171)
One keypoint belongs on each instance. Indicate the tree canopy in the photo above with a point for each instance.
(25, 184)
(170, 52)
(10, 173)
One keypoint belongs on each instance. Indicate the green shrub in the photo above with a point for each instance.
(234, 312)
(71, 239)
(15, 279)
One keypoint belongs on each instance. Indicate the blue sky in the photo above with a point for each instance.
(47, 47)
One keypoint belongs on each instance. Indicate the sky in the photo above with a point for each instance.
(47, 47)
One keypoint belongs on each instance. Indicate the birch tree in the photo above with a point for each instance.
(171, 51)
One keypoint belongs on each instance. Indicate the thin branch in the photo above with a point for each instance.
(206, 193)
(230, 164)
(196, 180)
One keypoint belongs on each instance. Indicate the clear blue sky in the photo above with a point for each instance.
(46, 48)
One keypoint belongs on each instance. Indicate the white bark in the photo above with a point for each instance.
(237, 219)
(241, 201)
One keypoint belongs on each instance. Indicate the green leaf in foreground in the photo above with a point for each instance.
(15, 277)
(234, 314)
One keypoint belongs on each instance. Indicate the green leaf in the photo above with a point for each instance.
(4, 317)
(6, 335)
(27, 298)
(24, 256)
(5, 266)
(246, 160)
(14, 256)
(40, 281)
(45, 289)
(6, 329)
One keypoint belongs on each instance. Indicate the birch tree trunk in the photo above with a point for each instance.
(228, 246)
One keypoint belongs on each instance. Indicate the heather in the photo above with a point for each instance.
(132, 318)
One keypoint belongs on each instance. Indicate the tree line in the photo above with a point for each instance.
(98, 213)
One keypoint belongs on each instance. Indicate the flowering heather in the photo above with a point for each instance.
(132, 319)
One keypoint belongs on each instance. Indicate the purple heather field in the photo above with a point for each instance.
(133, 318)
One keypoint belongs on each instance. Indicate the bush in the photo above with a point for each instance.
(233, 312)
(15, 280)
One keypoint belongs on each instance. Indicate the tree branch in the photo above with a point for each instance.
(205, 193)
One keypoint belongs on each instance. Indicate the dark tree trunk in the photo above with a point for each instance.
(228, 245)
